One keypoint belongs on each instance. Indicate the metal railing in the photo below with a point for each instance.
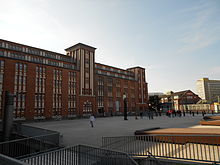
(182, 147)
(150, 161)
(81, 155)
(27, 146)
(5, 160)
(30, 131)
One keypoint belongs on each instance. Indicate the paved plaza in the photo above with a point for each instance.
(79, 131)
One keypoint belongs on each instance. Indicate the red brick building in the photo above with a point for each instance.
(48, 84)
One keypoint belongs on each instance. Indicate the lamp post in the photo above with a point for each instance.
(125, 106)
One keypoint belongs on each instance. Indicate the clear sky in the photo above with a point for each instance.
(177, 41)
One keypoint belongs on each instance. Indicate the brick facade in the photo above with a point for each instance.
(50, 85)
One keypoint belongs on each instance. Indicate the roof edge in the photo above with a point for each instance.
(80, 44)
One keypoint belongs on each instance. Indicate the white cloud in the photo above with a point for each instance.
(199, 31)
(198, 7)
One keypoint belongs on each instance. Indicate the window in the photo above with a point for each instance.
(110, 82)
(118, 83)
(100, 91)
(118, 92)
(100, 101)
(110, 102)
(2, 65)
(109, 91)
(40, 81)
(71, 93)
(57, 92)
(132, 93)
(20, 89)
(126, 84)
(100, 80)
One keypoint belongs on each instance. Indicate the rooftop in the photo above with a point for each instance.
(80, 44)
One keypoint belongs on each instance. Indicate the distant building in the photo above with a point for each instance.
(155, 94)
(47, 84)
(183, 98)
(177, 100)
(208, 89)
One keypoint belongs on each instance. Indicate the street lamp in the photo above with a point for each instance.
(125, 106)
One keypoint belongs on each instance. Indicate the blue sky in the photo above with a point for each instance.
(177, 41)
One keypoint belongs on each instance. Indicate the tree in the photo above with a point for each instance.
(155, 101)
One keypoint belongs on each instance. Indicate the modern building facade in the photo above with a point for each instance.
(49, 85)
(208, 89)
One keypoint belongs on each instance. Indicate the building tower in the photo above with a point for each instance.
(85, 57)
(142, 86)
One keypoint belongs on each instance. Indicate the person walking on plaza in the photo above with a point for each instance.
(179, 113)
(141, 115)
(184, 114)
(203, 113)
(92, 119)
(151, 112)
(173, 113)
(149, 115)
(160, 111)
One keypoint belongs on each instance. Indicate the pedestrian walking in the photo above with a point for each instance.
(160, 111)
(149, 114)
(169, 113)
(184, 114)
(141, 115)
(173, 113)
(92, 120)
(179, 113)
(152, 114)
(136, 118)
